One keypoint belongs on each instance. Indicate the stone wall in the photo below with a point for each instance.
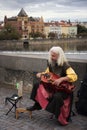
(14, 69)
(20, 68)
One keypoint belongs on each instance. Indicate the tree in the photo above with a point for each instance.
(52, 35)
(81, 31)
(9, 33)
(37, 35)
(63, 35)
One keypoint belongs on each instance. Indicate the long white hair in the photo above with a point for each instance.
(58, 50)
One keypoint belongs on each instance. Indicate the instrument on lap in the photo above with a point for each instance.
(48, 78)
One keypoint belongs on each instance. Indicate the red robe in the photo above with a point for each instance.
(41, 98)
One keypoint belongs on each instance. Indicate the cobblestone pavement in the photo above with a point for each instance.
(40, 119)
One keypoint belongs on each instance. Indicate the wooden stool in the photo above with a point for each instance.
(20, 110)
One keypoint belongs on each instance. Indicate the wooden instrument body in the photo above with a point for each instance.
(47, 80)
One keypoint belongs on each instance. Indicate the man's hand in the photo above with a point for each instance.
(38, 75)
(60, 80)
(57, 82)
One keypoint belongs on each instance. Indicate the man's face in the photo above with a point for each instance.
(54, 56)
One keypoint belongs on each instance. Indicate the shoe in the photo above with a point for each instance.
(36, 106)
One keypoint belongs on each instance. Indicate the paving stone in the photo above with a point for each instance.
(40, 119)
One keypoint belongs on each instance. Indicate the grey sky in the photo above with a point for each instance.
(53, 9)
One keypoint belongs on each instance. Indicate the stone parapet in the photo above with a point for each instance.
(15, 68)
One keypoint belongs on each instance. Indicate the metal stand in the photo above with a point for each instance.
(13, 100)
